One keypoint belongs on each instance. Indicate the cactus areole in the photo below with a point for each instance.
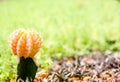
(25, 44)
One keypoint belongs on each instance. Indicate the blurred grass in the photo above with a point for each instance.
(67, 27)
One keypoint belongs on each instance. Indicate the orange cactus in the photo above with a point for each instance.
(25, 43)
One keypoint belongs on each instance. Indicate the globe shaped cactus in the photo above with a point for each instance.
(25, 44)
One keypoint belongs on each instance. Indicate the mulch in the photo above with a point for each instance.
(92, 67)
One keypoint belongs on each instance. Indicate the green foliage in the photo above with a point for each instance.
(67, 27)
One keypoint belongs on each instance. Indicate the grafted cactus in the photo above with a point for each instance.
(25, 44)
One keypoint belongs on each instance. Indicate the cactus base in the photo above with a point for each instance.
(26, 70)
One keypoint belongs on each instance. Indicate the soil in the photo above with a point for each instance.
(93, 67)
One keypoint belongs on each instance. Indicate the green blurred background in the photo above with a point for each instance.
(68, 27)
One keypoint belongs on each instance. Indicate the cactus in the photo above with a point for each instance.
(25, 44)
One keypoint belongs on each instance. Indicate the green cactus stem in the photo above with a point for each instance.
(26, 70)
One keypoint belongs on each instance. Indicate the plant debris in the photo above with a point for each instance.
(94, 67)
